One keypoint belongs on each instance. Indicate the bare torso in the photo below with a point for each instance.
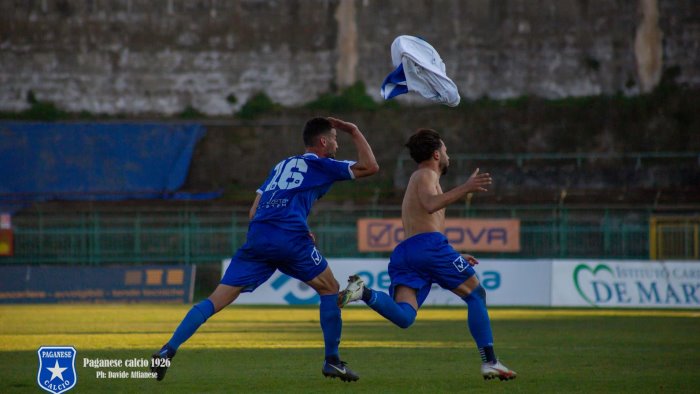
(423, 211)
(416, 218)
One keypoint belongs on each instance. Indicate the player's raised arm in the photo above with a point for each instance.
(366, 164)
(433, 201)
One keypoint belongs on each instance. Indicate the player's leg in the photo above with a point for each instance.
(332, 326)
(478, 317)
(451, 271)
(244, 274)
(407, 291)
(331, 322)
(400, 310)
(223, 295)
(306, 264)
(479, 324)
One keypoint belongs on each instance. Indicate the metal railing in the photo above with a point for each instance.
(578, 157)
(208, 235)
(674, 237)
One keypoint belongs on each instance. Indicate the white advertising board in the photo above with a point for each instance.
(507, 282)
(616, 283)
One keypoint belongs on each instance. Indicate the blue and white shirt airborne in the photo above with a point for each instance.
(293, 186)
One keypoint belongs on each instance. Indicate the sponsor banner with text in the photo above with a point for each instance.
(507, 282)
(126, 283)
(467, 235)
(637, 284)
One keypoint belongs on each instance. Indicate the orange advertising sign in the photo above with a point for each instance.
(6, 243)
(465, 235)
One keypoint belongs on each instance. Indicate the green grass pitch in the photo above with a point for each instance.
(280, 349)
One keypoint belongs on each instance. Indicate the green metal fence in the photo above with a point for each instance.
(205, 235)
(638, 158)
(545, 232)
(97, 237)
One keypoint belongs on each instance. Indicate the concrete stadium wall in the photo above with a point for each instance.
(144, 57)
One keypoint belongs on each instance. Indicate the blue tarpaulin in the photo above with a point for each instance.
(94, 161)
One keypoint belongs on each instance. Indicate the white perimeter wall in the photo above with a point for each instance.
(578, 283)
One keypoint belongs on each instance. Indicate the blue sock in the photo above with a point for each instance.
(402, 313)
(195, 317)
(332, 326)
(480, 324)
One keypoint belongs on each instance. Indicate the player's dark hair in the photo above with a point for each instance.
(423, 143)
(314, 128)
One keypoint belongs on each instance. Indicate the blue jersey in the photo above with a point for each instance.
(293, 186)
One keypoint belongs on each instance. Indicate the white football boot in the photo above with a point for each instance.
(353, 292)
(495, 370)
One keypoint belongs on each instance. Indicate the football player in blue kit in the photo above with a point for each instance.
(279, 238)
(425, 256)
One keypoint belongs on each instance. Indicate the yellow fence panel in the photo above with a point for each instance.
(674, 238)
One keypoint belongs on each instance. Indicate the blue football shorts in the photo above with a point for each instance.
(424, 259)
(268, 249)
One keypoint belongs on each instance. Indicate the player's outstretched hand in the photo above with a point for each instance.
(477, 181)
(470, 259)
(342, 125)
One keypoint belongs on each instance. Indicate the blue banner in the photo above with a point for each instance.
(94, 161)
(41, 284)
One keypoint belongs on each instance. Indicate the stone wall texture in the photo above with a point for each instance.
(159, 57)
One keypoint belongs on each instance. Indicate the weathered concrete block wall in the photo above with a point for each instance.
(134, 56)
(550, 48)
(139, 56)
